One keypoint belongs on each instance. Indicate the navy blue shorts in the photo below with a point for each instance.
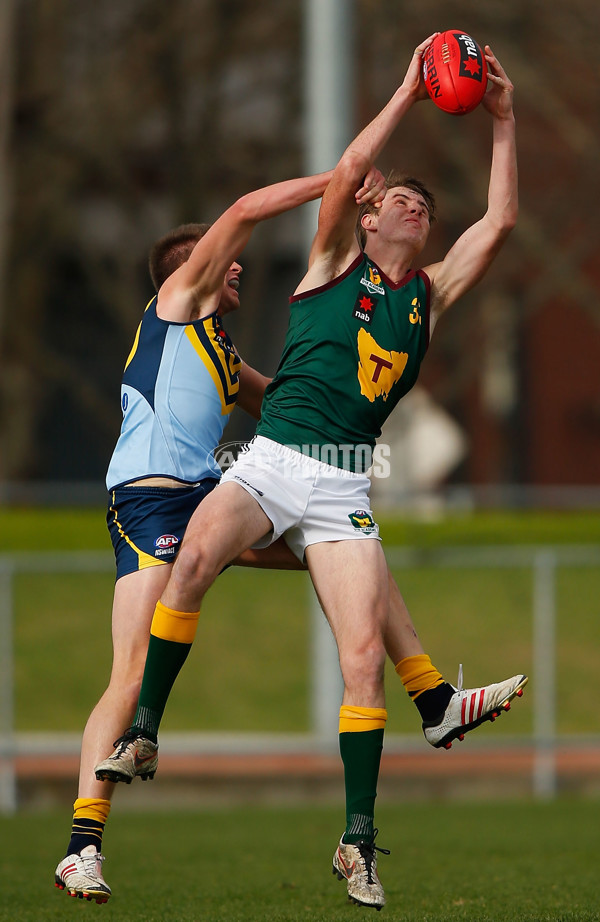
(147, 524)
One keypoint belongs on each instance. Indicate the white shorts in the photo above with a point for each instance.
(307, 500)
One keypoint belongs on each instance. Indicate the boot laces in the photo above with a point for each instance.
(90, 864)
(123, 742)
(367, 853)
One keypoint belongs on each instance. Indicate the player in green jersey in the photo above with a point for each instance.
(360, 324)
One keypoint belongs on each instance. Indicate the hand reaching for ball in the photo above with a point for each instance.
(498, 99)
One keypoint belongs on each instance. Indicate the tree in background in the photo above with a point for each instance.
(128, 116)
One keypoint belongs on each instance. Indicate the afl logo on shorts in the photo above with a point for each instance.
(165, 545)
(166, 541)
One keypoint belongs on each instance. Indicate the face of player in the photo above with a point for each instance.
(230, 299)
(404, 216)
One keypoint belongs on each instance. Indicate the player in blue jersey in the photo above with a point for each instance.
(360, 320)
(181, 381)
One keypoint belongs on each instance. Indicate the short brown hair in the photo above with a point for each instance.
(392, 181)
(172, 250)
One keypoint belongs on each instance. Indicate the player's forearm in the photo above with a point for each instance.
(367, 145)
(503, 197)
(364, 150)
(282, 196)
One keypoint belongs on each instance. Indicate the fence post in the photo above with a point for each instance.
(8, 786)
(544, 674)
(325, 677)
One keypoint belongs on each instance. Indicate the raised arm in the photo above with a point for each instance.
(195, 288)
(472, 254)
(335, 244)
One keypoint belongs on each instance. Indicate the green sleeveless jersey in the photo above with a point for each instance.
(353, 349)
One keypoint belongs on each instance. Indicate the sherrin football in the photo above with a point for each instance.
(455, 72)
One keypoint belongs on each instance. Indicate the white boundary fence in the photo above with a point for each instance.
(325, 676)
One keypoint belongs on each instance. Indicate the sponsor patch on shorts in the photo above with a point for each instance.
(363, 521)
(165, 545)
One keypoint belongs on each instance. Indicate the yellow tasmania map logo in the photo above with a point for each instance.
(378, 369)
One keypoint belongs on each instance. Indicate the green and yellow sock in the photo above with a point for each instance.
(89, 816)
(361, 743)
(171, 637)
(425, 685)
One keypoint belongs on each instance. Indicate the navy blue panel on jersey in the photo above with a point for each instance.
(142, 369)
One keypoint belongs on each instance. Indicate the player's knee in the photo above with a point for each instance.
(363, 663)
(195, 566)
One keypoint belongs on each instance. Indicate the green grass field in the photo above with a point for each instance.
(25, 529)
(254, 636)
(478, 862)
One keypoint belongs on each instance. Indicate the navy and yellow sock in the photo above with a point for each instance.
(171, 637)
(425, 685)
(361, 744)
(89, 817)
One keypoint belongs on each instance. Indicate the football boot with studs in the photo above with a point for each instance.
(134, 756)
(81, 876)
(470, 707)
(357, 864)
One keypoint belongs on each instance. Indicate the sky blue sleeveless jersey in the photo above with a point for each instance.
(179, 386)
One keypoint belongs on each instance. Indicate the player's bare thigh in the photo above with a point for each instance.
(135, 598)
(351, 580)
(227, 522)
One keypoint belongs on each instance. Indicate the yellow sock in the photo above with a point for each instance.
(91, 808)
(418, 674)
(89, 816)
(176, 626)
(358, 720)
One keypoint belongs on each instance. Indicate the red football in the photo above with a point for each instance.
(455, 72)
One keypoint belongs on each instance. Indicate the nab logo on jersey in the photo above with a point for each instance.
(364, 308)
(166, 541)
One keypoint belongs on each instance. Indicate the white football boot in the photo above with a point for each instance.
(133, 756)
(358, 865)
(81, 875)
(470, 707)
